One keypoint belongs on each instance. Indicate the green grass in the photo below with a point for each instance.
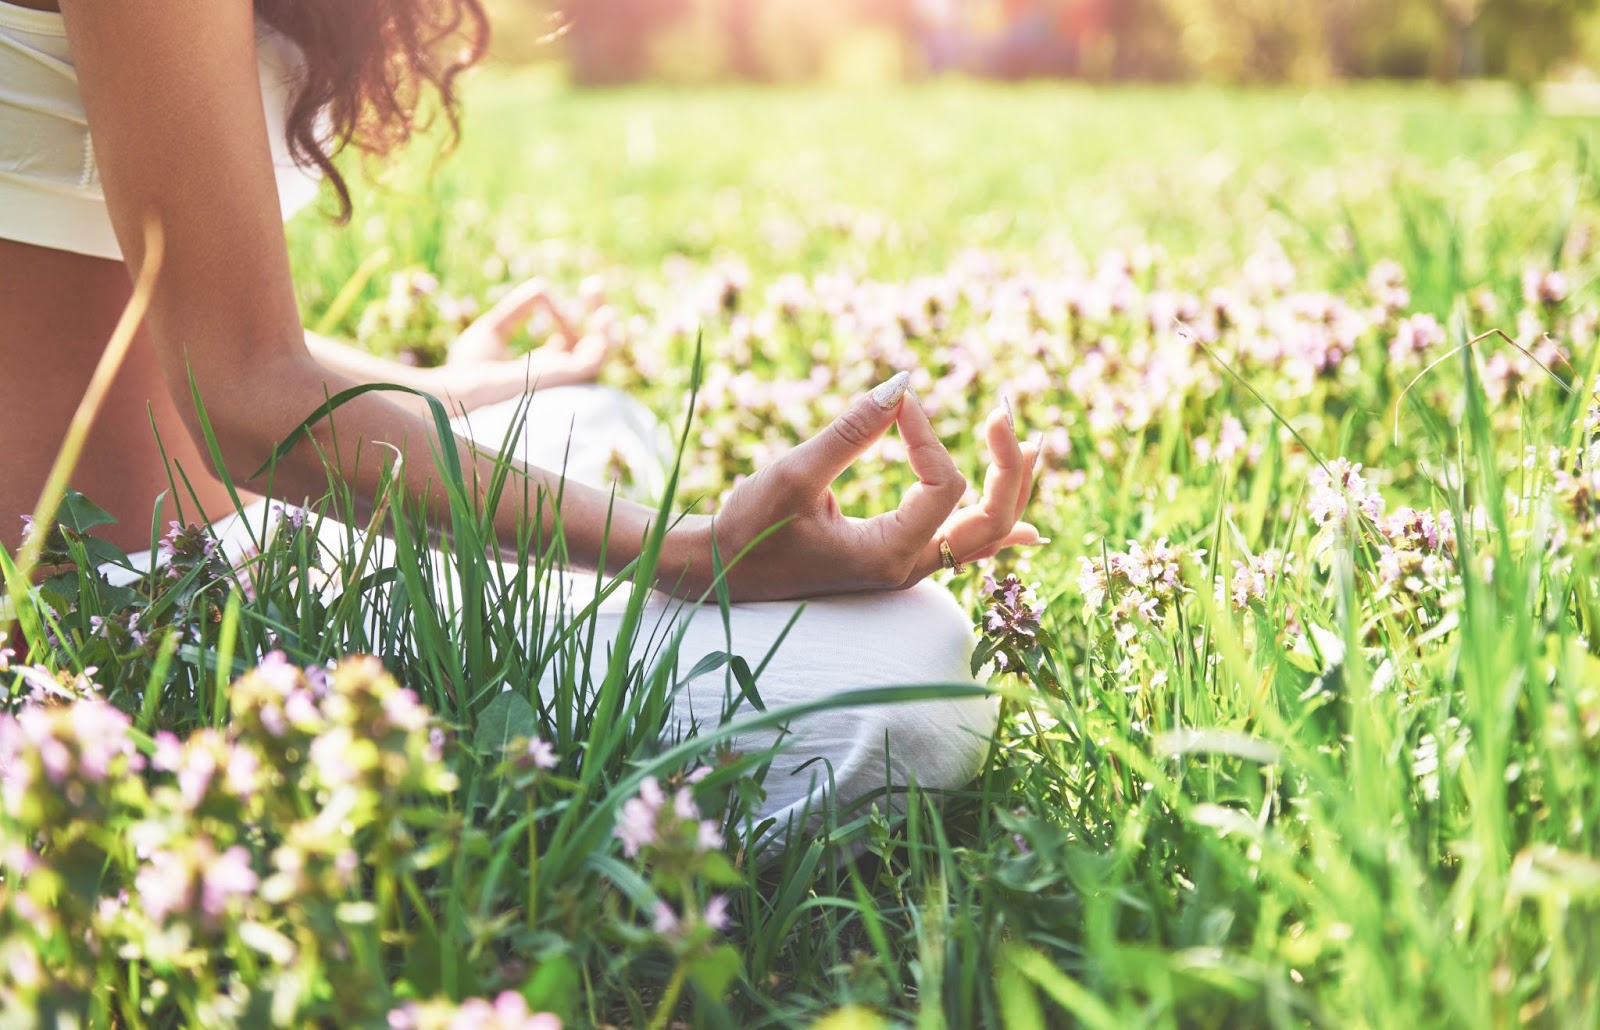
(634, 176)
(1370, 795)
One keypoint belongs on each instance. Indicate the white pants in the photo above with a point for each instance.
(897, 638)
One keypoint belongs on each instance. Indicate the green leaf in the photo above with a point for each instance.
(710, 663)
(553, 986)
(982, 653)
(80, 514)
(507, 718)
(741, 675)
(718, 871)
(747, 683)
(714, 971)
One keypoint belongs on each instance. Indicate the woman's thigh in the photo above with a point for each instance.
(836, 644)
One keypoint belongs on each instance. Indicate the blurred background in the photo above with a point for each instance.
(602, 42)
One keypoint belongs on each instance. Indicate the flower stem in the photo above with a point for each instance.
(669, 1000)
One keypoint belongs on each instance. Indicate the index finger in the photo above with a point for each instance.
(934, 495)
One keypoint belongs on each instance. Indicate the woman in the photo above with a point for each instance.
(198, 114)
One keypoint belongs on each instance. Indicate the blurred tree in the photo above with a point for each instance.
(1524, 40)
(1145, 40)
(610, 40)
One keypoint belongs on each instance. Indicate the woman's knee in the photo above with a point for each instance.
(922, 634)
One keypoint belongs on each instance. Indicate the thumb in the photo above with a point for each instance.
(820, 459)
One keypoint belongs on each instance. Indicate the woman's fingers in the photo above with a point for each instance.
(817, 462)
(1031, 452)
(972, 530)
(1023, 534)
(1009, 474)
(489, 335)
(907, 539)
(514, 310)
(985, 529)
(967, 546)
(930, 500)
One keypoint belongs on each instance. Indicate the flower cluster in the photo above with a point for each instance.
(1232, 441)
(1578, 491)
(1544, 287)
(652, 821)
(1338, 489)
(1416, 340)
(170, 856)
(188, 548)
(1010, 620)
(1417, 556)
(61, 760)
(1415, 547)
(1256, 578)
(663, 827)
(1134, 589)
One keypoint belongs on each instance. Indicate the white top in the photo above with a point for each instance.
(50, 191)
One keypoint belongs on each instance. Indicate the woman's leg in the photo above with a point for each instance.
(912, 637)
(837, 644)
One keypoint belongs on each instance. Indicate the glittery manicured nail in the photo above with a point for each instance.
(1011, 420)
(887, 394)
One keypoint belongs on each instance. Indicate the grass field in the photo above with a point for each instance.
(1302, 703)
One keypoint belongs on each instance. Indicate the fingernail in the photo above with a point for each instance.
(887, 394)
(1011, 420)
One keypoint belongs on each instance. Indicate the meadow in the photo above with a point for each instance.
(1301, 703)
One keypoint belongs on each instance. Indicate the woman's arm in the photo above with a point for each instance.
(172, 93)
(341, 359)
(171, 90)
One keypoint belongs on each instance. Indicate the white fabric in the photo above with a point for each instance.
(858, 641)
(50, 191)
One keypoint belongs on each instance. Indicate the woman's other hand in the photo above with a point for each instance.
(816, 549)
(481, 369)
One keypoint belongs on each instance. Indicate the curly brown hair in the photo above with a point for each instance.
(369, 65)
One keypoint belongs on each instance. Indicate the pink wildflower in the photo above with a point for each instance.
(637, 826)
(540, 754)
(226, 877)
(1339, 489)
(1546, 288)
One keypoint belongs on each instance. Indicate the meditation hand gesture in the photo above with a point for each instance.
(816, 549)
(482, 369)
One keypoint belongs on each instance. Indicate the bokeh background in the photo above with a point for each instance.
(612, 41)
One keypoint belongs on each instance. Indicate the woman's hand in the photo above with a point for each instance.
(480, 369)
(473, 384)
(815, 549)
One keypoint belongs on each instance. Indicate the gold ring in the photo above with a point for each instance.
(947, 558)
